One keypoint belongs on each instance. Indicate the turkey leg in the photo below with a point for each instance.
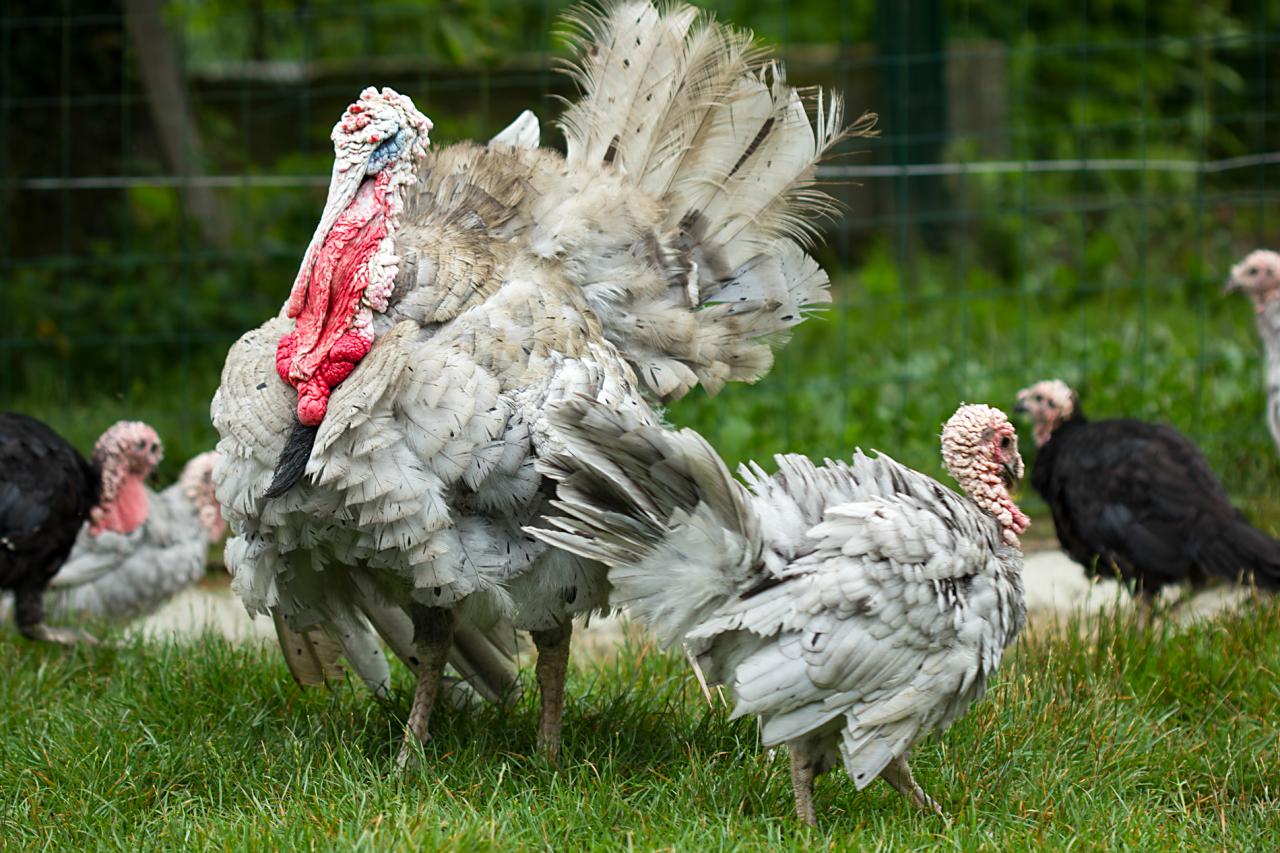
(552, 666)
(803, 773)
(1146, 607)
(28, 613)
(432, 636)
(898, 774)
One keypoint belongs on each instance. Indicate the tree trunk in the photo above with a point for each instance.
(170, 110)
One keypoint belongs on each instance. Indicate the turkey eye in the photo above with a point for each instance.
(1052, 405)
(154, 447)
(1006, 442)
(1039, 398)
(142, 445)
(1253, 270)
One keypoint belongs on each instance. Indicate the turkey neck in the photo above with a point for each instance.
(339, 276)
(1268, 321)
(1044, 433)
(1047, 450)
(129, 508)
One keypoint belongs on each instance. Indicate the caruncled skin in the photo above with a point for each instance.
(126, 453)
(327, 343)
(980, 450)
(349, 269)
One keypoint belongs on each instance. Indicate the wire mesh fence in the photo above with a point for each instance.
(1057, 190)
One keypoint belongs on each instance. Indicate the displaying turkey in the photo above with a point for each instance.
(853, 608)
(1138, 500)
(379, 436)
(120, 576)
(1258, 276)
(48, 490)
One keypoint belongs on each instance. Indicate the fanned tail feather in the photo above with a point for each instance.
(694, 115)
(656, 506)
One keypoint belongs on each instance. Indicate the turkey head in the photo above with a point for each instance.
(349, 269)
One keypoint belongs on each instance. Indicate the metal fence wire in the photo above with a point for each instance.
(1058, 189)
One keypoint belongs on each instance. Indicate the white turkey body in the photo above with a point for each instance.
(121, 576)
(661, 252)
(1258, 276)
(853, 608)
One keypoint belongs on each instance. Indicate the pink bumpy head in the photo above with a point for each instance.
(980, 450)
(1258, 275)
(349, 269)
(1049, 404)
(125, 454)
(196, 482)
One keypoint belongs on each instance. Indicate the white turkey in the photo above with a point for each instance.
(853, 608)
(120, 576)
(48, 490)
(379, 436)
(1258, 277)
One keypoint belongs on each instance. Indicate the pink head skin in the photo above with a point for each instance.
(125, 454)
(980, 450)
(1049, 404)
(1258, 275)
(349, 269)
(196, 481)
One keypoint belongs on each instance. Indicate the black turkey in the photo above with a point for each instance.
(47, 493)
(1139, 500)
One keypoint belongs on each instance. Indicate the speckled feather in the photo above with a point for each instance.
(854, 608)
(524, 277)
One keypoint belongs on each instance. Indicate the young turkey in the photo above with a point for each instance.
(121, 576)
(853, 608)
(1258, 277)
(48, 491)
(379, 436)
(1138, 500)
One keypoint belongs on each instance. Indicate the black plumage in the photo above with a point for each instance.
(1139, 500)
(46, 491)
(293, 460)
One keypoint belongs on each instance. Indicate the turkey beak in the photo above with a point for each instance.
(1232, 286)
(1010, 474)
(1020, 407)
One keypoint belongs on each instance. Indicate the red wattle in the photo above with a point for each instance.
(322, 350)
(313, 401)
(127, 511)
(284, 354)
(313, 394)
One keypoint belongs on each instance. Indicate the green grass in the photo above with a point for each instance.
(1134, 739)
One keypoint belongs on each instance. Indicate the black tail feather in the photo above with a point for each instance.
(292, 463)
(1241, 552)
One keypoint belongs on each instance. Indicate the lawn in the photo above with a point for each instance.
(1134, 739)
